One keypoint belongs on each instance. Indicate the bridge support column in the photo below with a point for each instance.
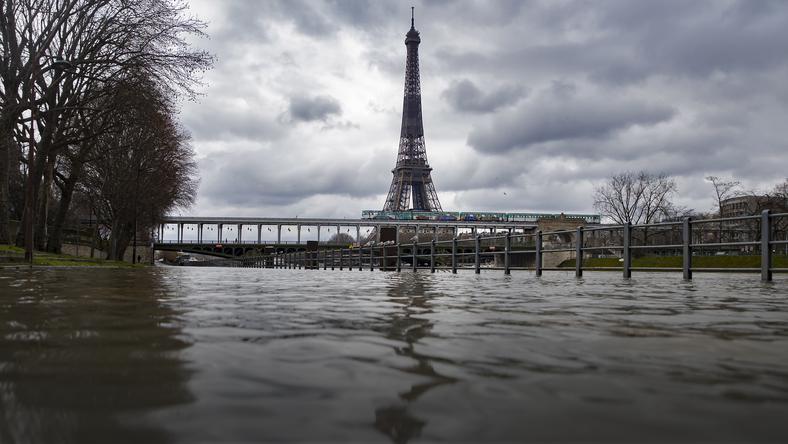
(358, 234)
(259, 234)
(199, 233)
(298, 234)
(318, 234)
(240, 232)
(219, 228)
(278, 234)
(180, 233)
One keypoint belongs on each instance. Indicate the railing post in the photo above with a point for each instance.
(627, 252)
(476, 256)
(340, 258)
(538, 260)
(579, 252)
(325, 260)
(415, 259)
(507, 249)
(766, 249)
(686, 249)
(399, 257)
(432, 256)
(454, 255)
(360, 258)
(333, 259)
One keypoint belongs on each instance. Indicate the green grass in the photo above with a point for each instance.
(58, 260)
(778, 261)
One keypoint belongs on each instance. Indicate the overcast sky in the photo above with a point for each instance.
(527, 104)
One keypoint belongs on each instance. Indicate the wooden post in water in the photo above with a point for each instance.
(766, 249)
(432, 256)
(579, 252)
(538, 259)
(454, 255)
(477, 256)
(627, 250)
(506, 252)
(686, 250)
(415, 260)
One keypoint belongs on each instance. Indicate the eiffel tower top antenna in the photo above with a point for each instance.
(411, 16)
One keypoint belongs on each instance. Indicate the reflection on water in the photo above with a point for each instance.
(408, 326)
(217, 355)
(81, 353)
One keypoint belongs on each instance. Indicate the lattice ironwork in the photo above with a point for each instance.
(412, 182)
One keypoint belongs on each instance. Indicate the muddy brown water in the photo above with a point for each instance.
(260, 355)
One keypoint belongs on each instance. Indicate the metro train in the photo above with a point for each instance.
(485, 216)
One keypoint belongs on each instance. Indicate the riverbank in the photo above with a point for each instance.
(778, 261)
(11, 256)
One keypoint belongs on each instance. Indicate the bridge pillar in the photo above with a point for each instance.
(180, 233)
(240, 230)
(358, 234)
(278, 234)
(199, 233)
(318, 234)
(298, 232)
(259, 233)
(338, 229)
(219, 228)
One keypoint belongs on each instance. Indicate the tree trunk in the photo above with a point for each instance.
(36, 170)
(42, 214)
(6, 150)
(55, 241)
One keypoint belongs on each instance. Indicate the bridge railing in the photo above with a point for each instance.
(740, 244)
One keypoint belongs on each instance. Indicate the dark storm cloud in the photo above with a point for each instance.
(269, 177)
(560, 115)
(465, 96)
(687, 87)
(308, 109)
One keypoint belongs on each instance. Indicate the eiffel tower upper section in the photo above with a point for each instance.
(412, 177)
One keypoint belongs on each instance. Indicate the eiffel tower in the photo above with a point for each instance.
(412, 172)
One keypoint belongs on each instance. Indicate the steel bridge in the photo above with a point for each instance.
(217, 244)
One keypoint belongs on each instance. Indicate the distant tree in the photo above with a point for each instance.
(635, 197)
(144, 170)
(342, 238)
(723, 190)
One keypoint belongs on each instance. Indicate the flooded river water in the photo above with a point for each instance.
(216, 355)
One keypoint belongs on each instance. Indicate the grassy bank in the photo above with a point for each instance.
(778, 261)
(14, 256)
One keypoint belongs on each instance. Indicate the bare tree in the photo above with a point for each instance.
(723, 190)
(57, 53)
(342, 238)
(145, 169)
(635, 198)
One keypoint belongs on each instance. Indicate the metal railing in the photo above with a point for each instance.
(497, 252)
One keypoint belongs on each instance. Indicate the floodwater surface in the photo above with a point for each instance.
(228, 354)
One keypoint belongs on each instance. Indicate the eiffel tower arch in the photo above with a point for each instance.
(411, 186)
